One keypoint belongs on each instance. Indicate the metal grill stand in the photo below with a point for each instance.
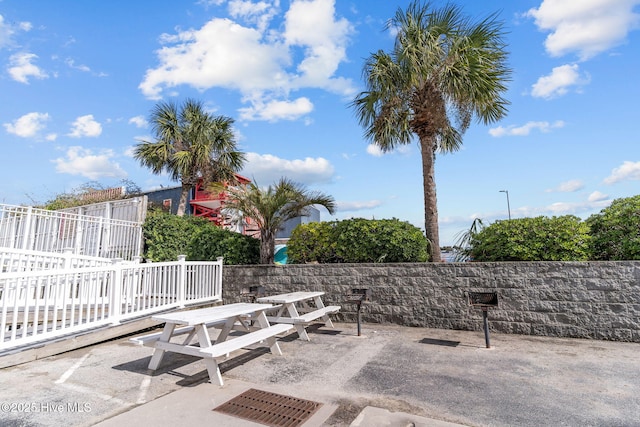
(484, 300)
(359, 296)
(252, 292)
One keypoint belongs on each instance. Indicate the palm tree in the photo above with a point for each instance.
(191, 145)
(271, 207)
(443, 71)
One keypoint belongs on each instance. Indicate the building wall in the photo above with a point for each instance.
(168, 199)
(598, 300)
(288, 226)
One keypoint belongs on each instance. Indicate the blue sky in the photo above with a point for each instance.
(78, 80)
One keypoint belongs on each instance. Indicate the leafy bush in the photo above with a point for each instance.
(167, 236)
(211, 242)
(563, 238)
(357, 241)
(615, 231)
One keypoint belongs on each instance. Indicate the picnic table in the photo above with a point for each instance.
(300, 309)
(244, 316)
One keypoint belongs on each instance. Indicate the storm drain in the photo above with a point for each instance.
(270, 409)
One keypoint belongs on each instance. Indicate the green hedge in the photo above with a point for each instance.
(357, 241)
(615, 231)
(564, 238)
(166, 236)
(210, 242)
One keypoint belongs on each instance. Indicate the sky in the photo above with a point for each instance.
(78, 80)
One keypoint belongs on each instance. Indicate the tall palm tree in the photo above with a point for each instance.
(271, 207)
(443, 71)
(191, 145)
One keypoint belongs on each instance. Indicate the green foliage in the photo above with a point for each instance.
(615, 231)
(167, 236)
(563, 238)
(357, 241)
(211, 242)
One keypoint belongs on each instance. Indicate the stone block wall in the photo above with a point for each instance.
(598, 300)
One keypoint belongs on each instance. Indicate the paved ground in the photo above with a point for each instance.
(390, 376)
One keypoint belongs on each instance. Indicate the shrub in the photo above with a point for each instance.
(167, 236)
(563, 238)
(211, 242)
(615, 231)
(357, 241)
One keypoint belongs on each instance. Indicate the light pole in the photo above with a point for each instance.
(508, 205)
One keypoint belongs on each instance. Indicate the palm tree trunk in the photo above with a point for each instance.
(184, 194)
(267, 246)
(427, 144)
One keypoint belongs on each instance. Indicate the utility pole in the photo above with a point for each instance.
(508, 205)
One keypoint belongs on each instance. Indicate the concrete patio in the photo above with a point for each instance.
(389, 376)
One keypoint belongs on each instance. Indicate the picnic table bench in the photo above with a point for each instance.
(295, 309)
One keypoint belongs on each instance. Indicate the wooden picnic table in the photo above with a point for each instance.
(300, 309)
(247, 316)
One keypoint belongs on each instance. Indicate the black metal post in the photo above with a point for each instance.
(359, 306)
(486, 326)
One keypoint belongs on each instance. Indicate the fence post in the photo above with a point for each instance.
(218, 278)
(66, 263)
(27, 229)
(182, 279)
(115, 304)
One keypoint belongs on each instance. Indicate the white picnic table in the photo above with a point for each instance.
(296, 309)
(248, 316)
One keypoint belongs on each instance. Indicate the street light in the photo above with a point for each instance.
(508, 205)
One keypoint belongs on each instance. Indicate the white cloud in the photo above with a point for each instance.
(85, 126)
(568, 186)
(325, 46)
(374, 150)
(82, 161)
(277, 110)
(28, 125)
(358, 206)
(139, 121)
(525, 129)
(21, 68)
(597, 196)
(72, 64)
(8, 30)
(559, 81)
(259, 13)
(628, 171)
(585, 27)
(264, 63)
(222, 53)
(266, 169)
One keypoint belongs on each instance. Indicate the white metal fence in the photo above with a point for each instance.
(29, 228)
(41, 305)
(15, 260)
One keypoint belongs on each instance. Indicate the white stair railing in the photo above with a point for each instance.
(42, 305)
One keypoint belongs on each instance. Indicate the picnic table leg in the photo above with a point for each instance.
(271, 341)
(226, 329)
(293, 313)
(158, 353)
(204, 340)
(214, 371)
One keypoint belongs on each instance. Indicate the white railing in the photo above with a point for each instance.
(29, 228)
(16, 260)
(42, 305)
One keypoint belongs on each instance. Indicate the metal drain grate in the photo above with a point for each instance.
(270, 409)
